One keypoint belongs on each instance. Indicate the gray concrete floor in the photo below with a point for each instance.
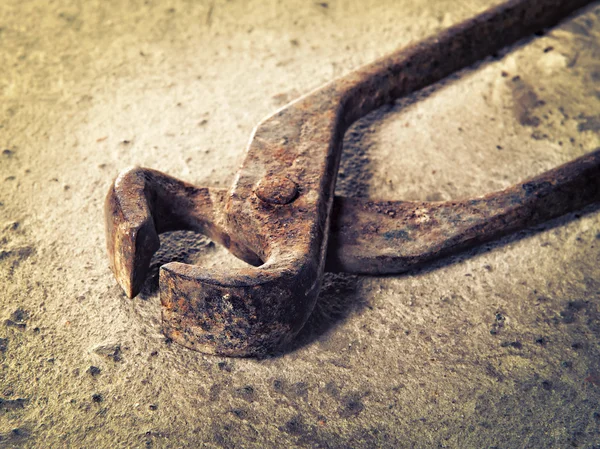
(498, 347)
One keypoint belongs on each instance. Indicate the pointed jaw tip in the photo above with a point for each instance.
(130, 292)
(128, 284)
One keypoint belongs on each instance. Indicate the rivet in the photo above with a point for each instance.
(275, 189)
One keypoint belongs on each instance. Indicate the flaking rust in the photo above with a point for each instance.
(281, 217)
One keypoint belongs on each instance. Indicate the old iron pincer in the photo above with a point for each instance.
(281, 215)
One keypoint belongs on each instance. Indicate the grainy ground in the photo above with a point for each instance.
(499, 347)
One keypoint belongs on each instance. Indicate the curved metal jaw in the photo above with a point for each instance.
(278, 213)
(243, 312)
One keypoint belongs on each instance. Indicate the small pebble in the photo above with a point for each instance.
(93, 371)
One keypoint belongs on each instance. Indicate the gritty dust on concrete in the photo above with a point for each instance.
(496, 347)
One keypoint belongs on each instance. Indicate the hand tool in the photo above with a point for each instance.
(281, 217)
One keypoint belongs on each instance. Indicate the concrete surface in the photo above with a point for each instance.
(499, 347)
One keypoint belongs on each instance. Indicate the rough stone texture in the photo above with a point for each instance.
(499, 347)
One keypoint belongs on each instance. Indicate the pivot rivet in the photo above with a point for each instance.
(275, 189)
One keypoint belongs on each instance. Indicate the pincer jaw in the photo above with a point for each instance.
(252, 311)
(131, 241)
(248, 313)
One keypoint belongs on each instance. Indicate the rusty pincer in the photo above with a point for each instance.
(281, 216)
